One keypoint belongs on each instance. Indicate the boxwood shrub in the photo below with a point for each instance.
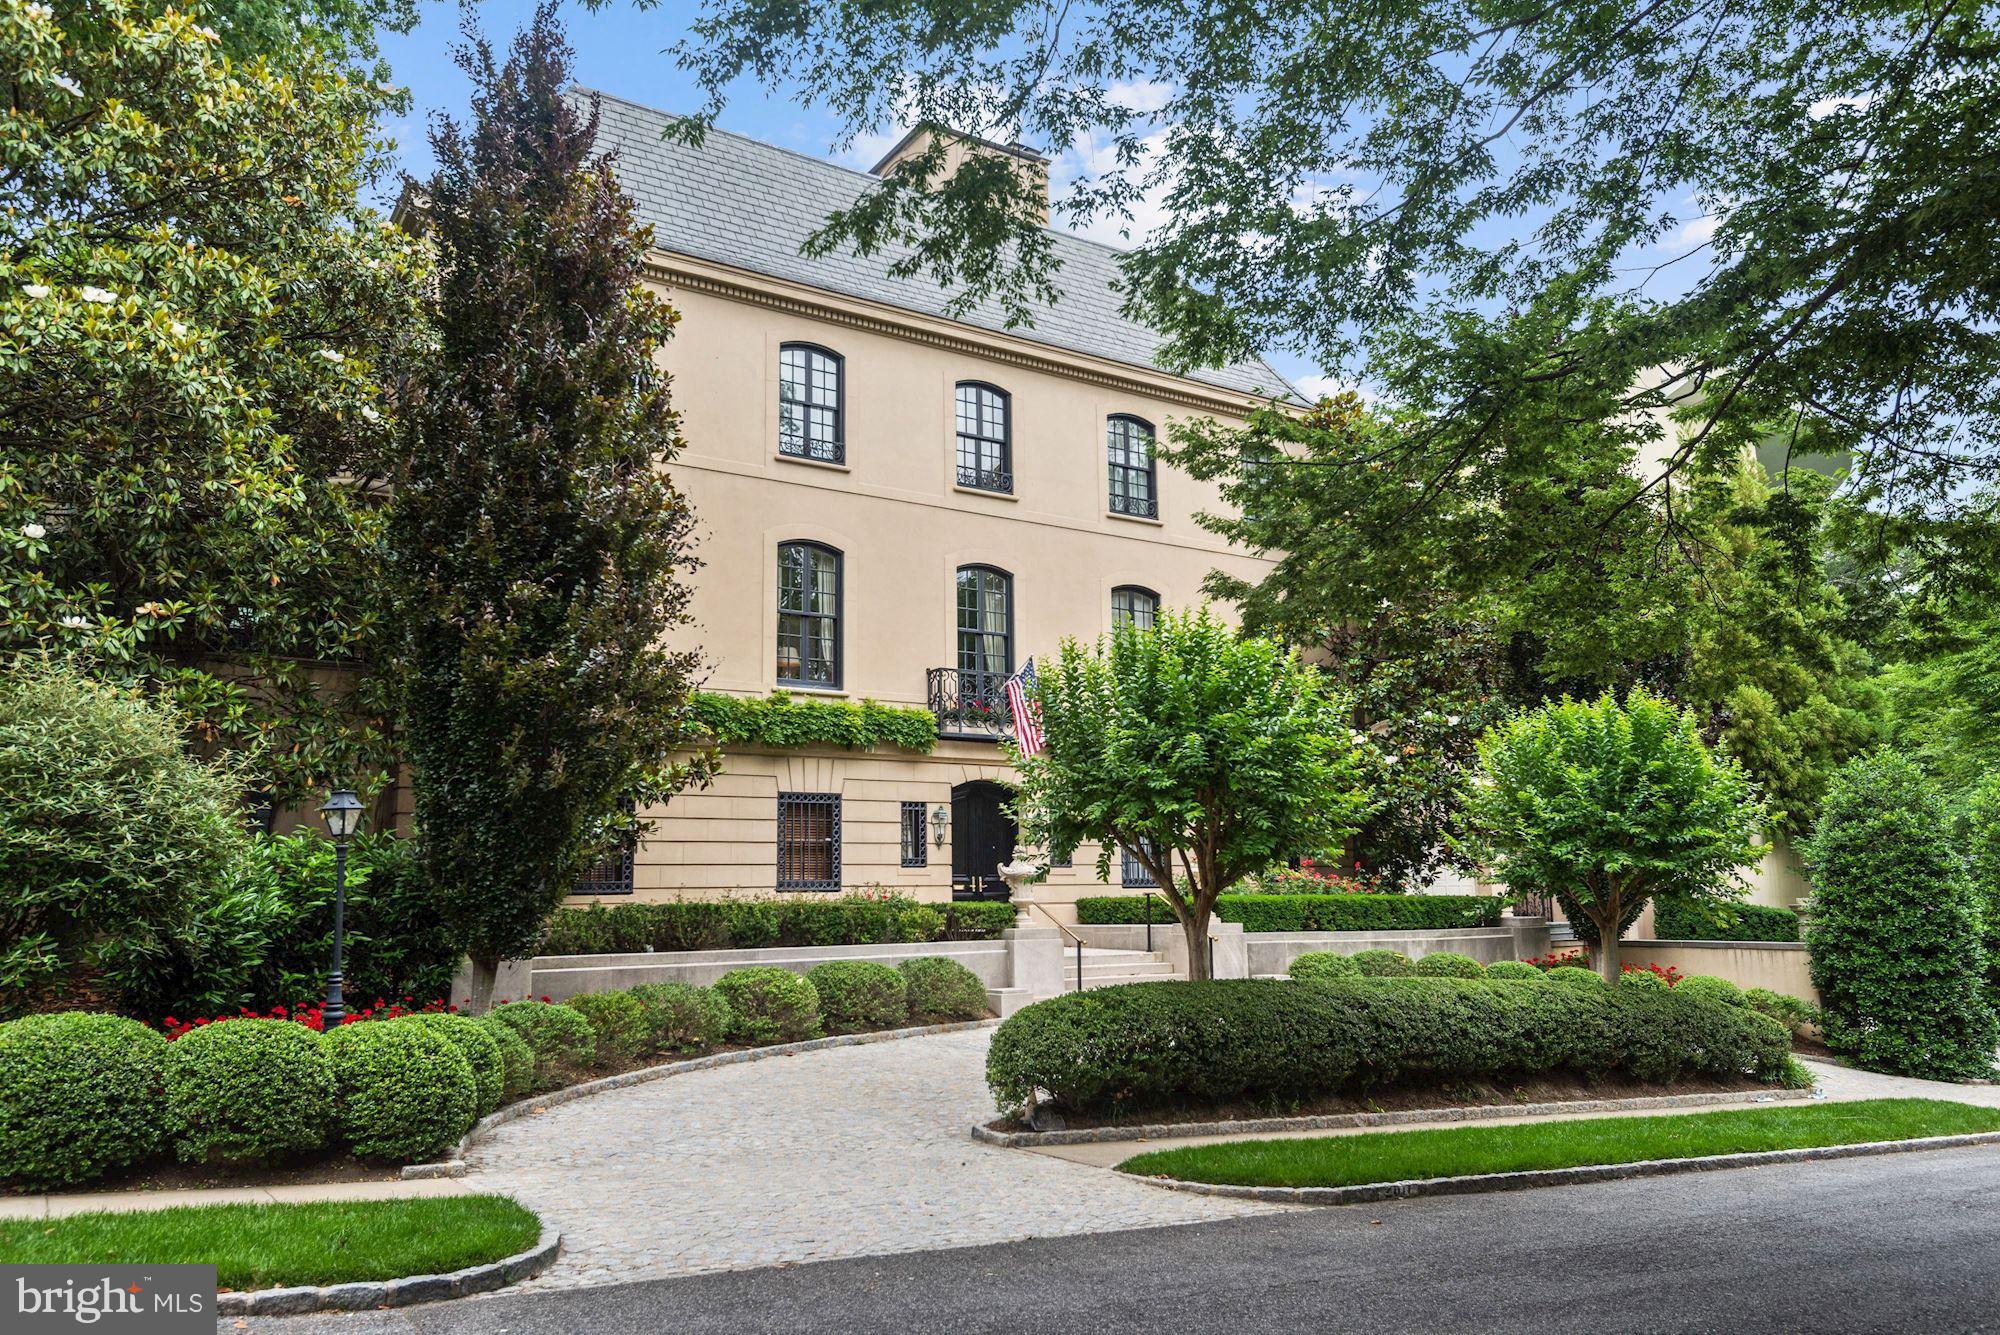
(1513, 971)
(517, 1059)
(403, 1092)
(681, 1017)
(859, 994)
(1312, 913)
(1383, 964)
(79, 1098)
(1571, 975)
(1319, 966)
(1155, 1045)
(769, 1005)
(1676, 921)
(247, 1091)
(475, 1043)
(618, 1019)
(1706, 985)
(749, 924)
(942, 990)
(1444, 964)
(562, 1041)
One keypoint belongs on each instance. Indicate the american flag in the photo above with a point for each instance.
(1027, 719)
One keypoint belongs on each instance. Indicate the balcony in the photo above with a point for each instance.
(970, 706)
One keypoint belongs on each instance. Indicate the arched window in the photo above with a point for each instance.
(985, 435)
(985, 628)
(1129, 447)
(1134, 606)
(810, 409)
(808, 615)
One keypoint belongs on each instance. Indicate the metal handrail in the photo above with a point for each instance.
(1066, 932)
(1151, 893)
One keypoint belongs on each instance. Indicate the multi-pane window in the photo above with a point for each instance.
(985, 622)
(1129, 447)
(985, 460)
(809, 407)
(915, 852)
(1132, 872)
(808, 615)
(611, 874)
(1134, 606)
(808, 841)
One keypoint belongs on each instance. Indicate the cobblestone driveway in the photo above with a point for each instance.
(854, 1151)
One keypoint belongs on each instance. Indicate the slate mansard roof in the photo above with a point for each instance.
(751, 205)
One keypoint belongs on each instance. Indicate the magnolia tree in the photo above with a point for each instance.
(1204, 756)
(1608, 805)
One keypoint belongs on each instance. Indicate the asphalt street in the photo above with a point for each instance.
(1900, 1243)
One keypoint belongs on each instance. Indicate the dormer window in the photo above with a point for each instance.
(811, 412)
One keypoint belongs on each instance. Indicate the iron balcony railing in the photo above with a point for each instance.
(986, 479)
(968, 704)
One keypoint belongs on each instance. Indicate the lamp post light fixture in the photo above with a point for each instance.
(342, 813)
(940, 819)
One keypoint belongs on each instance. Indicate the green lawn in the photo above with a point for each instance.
(274, 1246)
(1396, 1156)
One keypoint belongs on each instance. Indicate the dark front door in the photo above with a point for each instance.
(981, 839)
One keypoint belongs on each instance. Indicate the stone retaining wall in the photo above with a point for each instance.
(1781, 966)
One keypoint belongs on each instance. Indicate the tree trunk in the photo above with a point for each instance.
(1195, 929)
(1609, 925)
(485, 971)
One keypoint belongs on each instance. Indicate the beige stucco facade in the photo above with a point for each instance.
(903, 526)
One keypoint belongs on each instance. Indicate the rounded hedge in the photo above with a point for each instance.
(1204, 1044)
(942, 990)
(1383, 964)
(1643, 978)
(517, 1059)
(475, 1043)
(79, 1098)
(404, 1092)
(618, 1019)
(1571, 976)
(242, 1091)
(1319, 966)
(769, 1005)
(1783, 1007)
(1707, 985)
(681, 1017)
(1513, 971)
(859, 994)
(1444, 964)
(562, 1041)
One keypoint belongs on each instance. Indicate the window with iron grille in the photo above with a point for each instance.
(808, 841)
(985, 453)
(985, 626)
(611, 874)
(1134, 606)
(1129, 447)
(809, 404)
(808, 615)
(1132, 872)
(915, 852)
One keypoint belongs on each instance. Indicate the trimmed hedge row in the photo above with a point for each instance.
(1122, 1049)
(1312, 913)
(751, 924)
(1723, 922)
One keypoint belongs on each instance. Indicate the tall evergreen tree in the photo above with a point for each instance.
(539, 545)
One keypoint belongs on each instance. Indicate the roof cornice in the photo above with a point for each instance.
(816, 303)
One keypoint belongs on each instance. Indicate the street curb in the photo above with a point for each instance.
(402, 1292)
(1020, 1140)
(530, 1106)
(1475, 1183)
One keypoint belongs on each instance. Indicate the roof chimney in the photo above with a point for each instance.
(1030, 166)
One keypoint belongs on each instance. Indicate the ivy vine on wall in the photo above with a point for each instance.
(782, 720)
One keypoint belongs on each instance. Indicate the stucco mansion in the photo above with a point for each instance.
(894, 505)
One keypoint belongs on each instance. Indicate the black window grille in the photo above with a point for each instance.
(808, 615)
(808, 841)
(1132, 872)
(985, 435)
(1129, 448)
(610, 874)
(810, 408)
(915, 852)
(1134, 606)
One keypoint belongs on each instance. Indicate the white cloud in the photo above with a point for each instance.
(1826, 106)
(1141, 95)
(1330, 386)
(1698, 231)
(1088, 159)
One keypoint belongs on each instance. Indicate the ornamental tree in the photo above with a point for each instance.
(1607, 805)
(194, 311)
(1205, 756)
(1894, 928)
(538, 545)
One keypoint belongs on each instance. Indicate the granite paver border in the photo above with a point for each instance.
(1257, 1126)
(1471, 1184)
(527, 1107)
(367, 1295)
